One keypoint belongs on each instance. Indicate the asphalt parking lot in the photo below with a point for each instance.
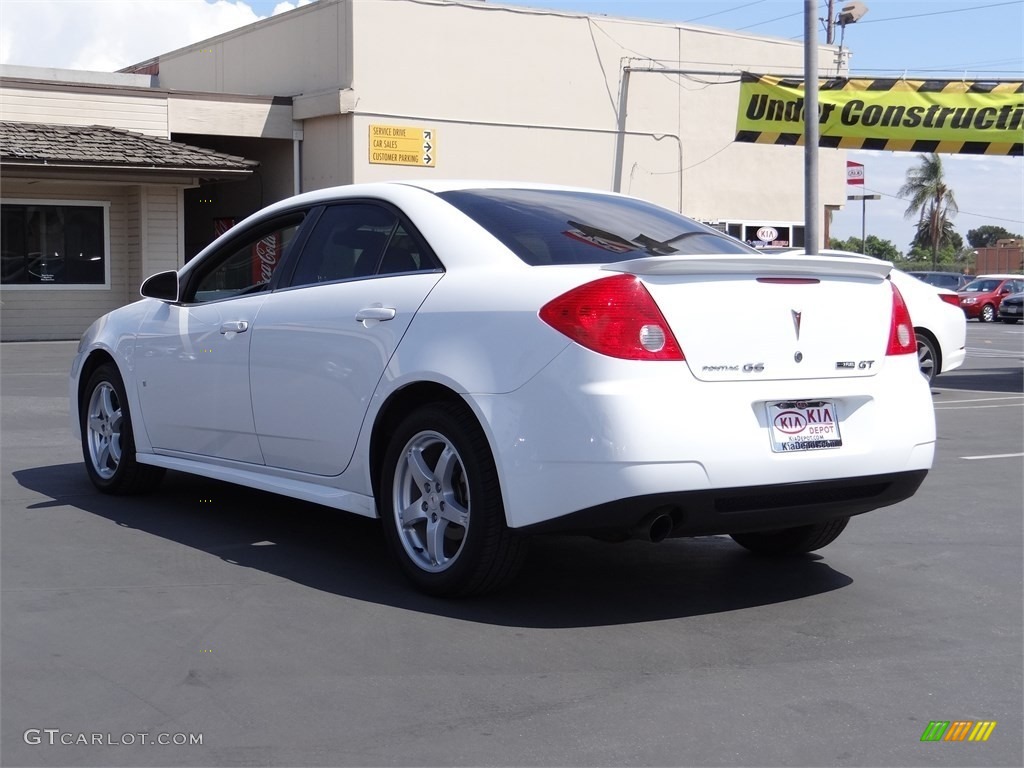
(279, 633)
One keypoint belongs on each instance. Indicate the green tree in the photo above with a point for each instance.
(987, 235)
(882, 249)
(931, 200)
(873, 246)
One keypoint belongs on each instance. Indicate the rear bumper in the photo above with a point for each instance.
(592, 433)
(740, 510)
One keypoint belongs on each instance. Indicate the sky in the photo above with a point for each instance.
(969, 39)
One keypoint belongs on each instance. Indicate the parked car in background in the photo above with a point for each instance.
(980, 298)
(473, 363)
(952, 281)
(1011, 309)
(939, 324)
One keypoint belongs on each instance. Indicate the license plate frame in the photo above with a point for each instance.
(801, 426)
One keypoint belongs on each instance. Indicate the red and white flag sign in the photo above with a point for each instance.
(854, 172)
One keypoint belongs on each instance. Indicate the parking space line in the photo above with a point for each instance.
(993, 456)
(969, 407)
(987, 399)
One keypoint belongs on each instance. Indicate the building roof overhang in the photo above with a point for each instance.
(43, 149)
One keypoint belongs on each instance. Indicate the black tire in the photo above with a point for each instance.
(988, 314)
(455, 540)
(927, 357)
(108, 444)
(792, 541)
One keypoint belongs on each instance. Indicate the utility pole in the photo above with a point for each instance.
(812, 210)
(830, 23)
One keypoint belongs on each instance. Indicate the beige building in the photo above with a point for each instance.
(344, 91)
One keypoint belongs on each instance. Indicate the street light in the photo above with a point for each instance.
(863, 217)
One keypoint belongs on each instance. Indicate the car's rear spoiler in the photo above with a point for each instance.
(761, 266)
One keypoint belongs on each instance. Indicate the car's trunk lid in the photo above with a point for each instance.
(739, 317)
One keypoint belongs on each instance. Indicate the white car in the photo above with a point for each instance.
(475, 362)
(939, 324)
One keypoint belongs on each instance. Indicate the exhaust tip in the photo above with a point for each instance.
(661, 527)
(654, 527)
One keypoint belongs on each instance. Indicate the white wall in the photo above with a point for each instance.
(93, 105)
(522, 93)
(515, 93)
(303, 51)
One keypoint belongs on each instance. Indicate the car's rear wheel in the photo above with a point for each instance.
(927, 357)
(792, 541)
(108, 445)
(988, 314)
(441, 505)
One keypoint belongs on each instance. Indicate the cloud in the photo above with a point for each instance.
(107, 36)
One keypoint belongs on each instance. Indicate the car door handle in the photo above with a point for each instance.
(234, 326)
(375, 313)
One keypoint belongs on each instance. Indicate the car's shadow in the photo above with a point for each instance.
(567, 581)
(981, 380)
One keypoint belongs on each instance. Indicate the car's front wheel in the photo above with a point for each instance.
(988, 314)
(441, 506)
(792, 541)
(108, 445)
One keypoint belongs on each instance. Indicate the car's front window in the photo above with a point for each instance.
(245, 265)
(567, 227)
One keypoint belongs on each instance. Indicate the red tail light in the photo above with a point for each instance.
(902, 340)
(615, 316)
(950, 298)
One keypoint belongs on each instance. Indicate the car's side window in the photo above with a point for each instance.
(246, 265)
(404, 254)
(347, 241)
(353, 240)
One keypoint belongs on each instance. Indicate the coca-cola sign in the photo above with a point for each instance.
(266, 253)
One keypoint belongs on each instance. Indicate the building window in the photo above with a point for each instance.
(54, 243)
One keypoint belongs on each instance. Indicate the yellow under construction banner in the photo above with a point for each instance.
(952, 116)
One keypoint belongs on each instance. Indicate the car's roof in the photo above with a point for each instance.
(998, 277)
(394, 189)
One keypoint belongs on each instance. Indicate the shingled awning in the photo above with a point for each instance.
(101, 148)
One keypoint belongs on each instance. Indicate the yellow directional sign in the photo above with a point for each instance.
(403, 145)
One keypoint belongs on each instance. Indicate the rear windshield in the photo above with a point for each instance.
(938, 279)
(558, 227)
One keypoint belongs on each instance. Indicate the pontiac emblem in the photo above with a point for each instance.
(796, 322)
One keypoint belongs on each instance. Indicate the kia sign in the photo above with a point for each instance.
(768, 234)
(854, 172)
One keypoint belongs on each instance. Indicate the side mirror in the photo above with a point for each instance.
(162, 286)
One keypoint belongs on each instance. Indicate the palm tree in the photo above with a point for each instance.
(930, 200)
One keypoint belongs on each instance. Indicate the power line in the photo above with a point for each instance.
(961, 212)
(769, 21)
(940, 13)
(719, 13)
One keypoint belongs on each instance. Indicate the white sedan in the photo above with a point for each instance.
(474, 363)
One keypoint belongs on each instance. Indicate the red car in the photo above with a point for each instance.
(980, 298)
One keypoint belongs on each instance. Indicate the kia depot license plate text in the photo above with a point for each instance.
(803, 425)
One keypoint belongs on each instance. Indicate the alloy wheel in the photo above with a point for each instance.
(103, 422)
(430, 499)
